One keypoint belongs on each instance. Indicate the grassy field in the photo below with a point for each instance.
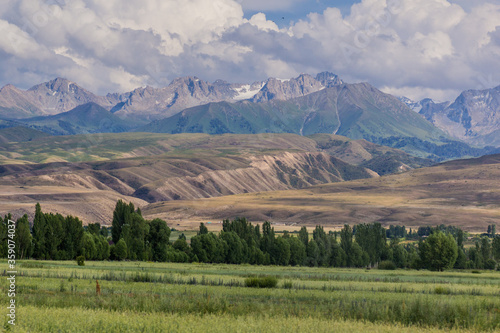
(163, 297)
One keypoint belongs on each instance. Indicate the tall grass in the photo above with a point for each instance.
(385, 298)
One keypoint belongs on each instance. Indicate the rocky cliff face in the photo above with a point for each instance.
(474, 117)
(303, 85)
(155, 103)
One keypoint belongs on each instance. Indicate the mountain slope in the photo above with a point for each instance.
(49, 98)
(86, 118)
(463, 193)
(20, 134)
(474, 117)
(145, 104)
(358, 111)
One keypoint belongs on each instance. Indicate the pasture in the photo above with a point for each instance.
(61, 296)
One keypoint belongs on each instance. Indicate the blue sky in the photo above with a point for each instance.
(299, 10)
(414, 48)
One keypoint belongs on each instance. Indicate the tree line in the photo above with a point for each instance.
(55, 237)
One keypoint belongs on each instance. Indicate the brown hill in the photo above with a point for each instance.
(464, 193)
(159, 167)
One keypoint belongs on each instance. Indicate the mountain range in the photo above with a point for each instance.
(147, 103)
(474, 117)
(304, 105)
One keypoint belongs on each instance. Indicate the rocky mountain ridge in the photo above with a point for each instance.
(148, 103)
(474, 117)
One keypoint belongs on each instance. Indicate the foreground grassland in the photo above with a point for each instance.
(149, 297)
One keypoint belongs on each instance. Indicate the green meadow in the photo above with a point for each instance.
(60, 296)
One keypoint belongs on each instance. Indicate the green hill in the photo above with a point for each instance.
(86, 118)
(20, 134)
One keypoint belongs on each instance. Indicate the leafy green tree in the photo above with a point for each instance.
(209, 248)
(135, 233)
(312, 253)
(3, 238)
(23, 239)
(159, 239)
(399, 254)
(461, 261)
(73, 235)
(89, 248)
(304, 235)
(338, 257)
(268, 238)
(359, 258)
(475, 257)
(496, 248)
(54, 234)
(372, 239)
(346, 243)
(323, 242)
(439, 251)
(102, 247)
(104, 232)
(120, 250)
(485, 248)
(121, 216)
(236, 248)
(281, 252)
(94, 228)
(297, 251)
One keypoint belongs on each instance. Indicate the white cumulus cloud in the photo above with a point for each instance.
(420, 48)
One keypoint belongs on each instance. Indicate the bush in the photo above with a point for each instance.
(440, 290)
(490, 264)
(80, 260)
(387, 265)
(261, 282)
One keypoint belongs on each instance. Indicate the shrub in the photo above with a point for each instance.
(261, 282)
(80, 260)
(490, 264)
(387, 265)
(442, 290)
